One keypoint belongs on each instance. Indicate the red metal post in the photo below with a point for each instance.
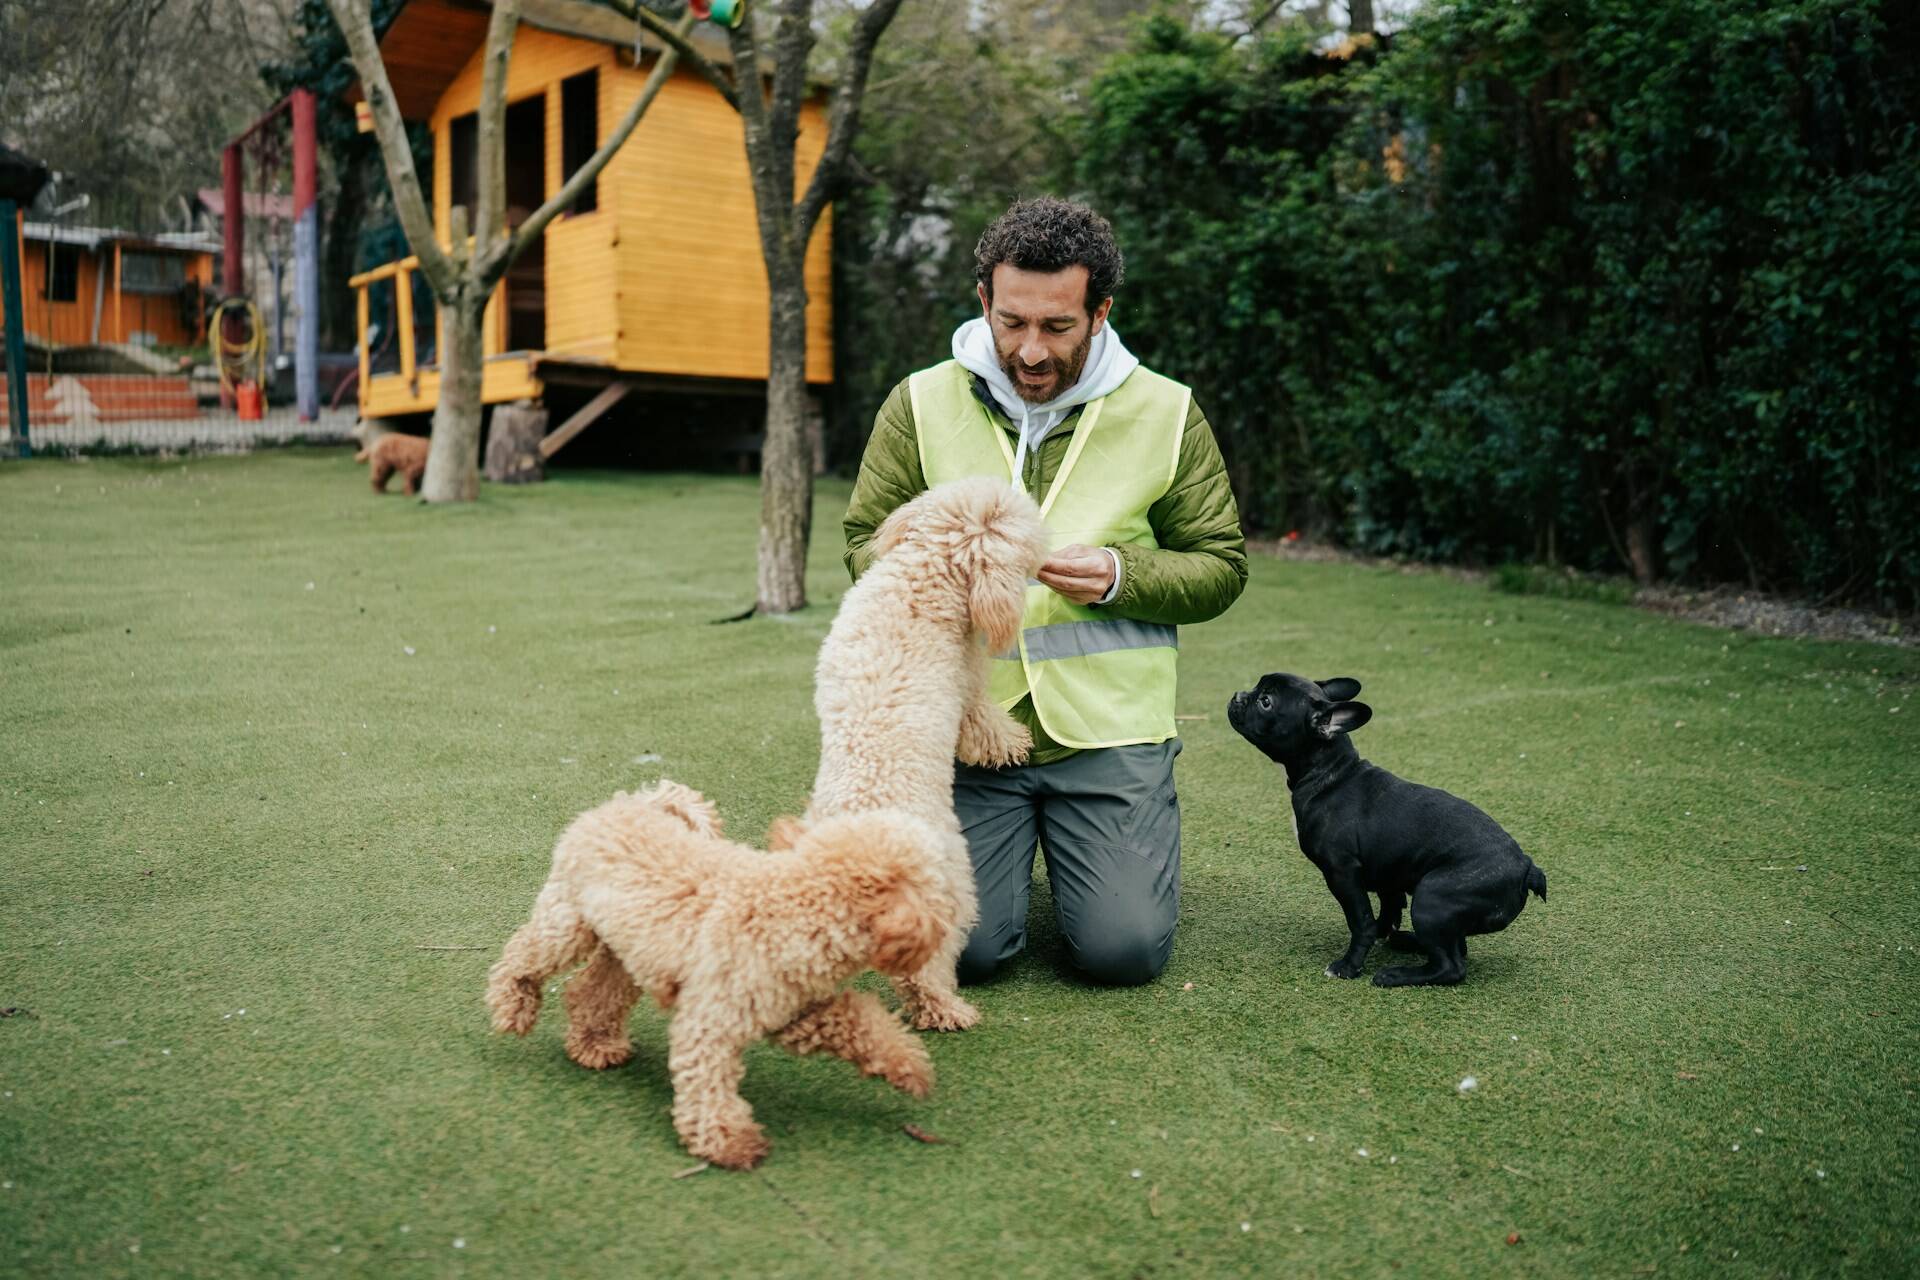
(306, 256)
(234, 245)
(234, 216)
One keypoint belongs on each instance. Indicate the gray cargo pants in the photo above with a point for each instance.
(1108, 823)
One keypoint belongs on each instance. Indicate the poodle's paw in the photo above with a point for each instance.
(515, 1004)
(933, 1012)
(993, 741)
(731, 1148)
(597, 1053)
(910, 1069)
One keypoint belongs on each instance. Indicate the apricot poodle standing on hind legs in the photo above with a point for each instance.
(901, 687)
(737, 942)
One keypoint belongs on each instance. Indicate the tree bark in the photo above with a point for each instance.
(453, 473)
(513, 444)
(1640, 549)
(770, 115)
(786, 457)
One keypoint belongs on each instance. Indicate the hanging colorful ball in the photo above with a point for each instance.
(726, 13)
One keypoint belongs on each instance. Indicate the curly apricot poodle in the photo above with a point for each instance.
(739, 943)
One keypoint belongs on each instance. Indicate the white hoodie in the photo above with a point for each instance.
(1108, 364)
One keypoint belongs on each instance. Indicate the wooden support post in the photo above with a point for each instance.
(99, 301)
(403, 307)
(513, 443)
(595, 408)
(366, 358)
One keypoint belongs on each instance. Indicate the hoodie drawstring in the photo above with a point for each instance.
(1020, 454)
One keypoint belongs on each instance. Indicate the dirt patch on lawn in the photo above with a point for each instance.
(1734, 608)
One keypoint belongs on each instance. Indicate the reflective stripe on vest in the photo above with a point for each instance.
(1096, 680)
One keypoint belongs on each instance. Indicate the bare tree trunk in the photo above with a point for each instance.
(453, 471)
(770, 113)
(1640, 549)
(1641, 554)
(786, 457)
(1359, 17)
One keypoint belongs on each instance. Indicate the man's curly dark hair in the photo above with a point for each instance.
(1050, 234)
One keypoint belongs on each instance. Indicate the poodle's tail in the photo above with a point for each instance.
(1536, 881)
(554, 938)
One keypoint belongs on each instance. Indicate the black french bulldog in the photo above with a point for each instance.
(1369, 831)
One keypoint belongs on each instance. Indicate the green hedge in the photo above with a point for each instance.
(1618, 285)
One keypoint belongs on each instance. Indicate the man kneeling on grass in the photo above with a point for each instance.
(1041, 392)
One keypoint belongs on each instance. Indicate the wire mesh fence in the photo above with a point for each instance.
(127, 347)
(124, 398)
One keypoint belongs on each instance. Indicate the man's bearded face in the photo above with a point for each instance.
(1055, 375)
(1041, 329)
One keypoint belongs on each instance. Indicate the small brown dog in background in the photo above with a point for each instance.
(393, 452)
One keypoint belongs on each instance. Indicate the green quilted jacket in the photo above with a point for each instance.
(1199, 568)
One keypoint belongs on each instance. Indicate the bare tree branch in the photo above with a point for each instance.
(843, 120)
(675, 38)
(489, 215)
(745, 42)
(792, 44)
(1266, 15)
(493, 265)
(356, 24)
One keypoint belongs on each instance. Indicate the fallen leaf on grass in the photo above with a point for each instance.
(1513, 1237)
(1686, 1075)
(702, 1167)
(1153, 1200)
(918, 1134)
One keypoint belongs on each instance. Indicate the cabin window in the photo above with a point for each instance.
(63, 272)
(152, 272)
(580, 132)
(463, 180)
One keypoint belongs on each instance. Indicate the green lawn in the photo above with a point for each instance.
(276, 745)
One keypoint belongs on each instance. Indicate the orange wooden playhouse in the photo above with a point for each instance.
(89, 286)
(94, 301)
(653, 280)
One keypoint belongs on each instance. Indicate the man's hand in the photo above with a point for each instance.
(1082, 574)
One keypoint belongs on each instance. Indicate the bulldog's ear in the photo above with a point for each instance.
(1341, 717)
(1340, 689)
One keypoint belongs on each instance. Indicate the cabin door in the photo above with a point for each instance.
(526, 190)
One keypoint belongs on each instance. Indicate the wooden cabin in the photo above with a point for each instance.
(654, 279)
(98, 286)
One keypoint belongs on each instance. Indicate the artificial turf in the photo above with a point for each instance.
(271, 741)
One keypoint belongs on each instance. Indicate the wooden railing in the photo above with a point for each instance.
(493, 325)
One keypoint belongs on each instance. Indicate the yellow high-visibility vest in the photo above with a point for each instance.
(1097, 680)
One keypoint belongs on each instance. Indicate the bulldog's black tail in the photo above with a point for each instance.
(1537, 881)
